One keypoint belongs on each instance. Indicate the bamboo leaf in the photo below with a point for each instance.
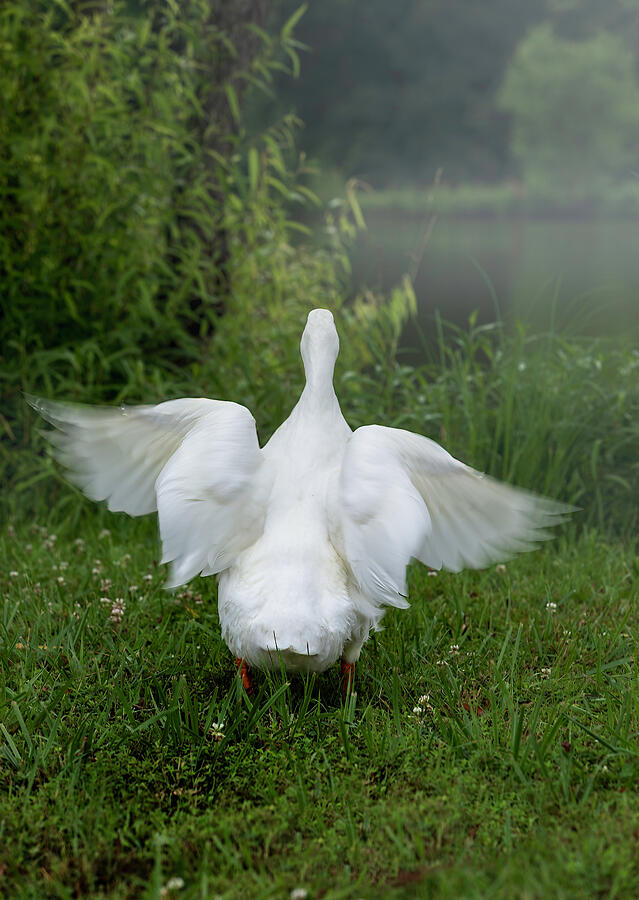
(253, 169)
(292, 21)
(234, 105)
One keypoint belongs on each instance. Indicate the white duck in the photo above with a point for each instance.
(309, 536)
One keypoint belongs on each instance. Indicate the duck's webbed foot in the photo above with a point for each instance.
(245, 675)
(348, 677)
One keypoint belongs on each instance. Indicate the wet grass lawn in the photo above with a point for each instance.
(490, 751)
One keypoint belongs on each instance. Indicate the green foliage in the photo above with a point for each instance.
(125, 207)
(107, 208)
(149, 244)
(574, 108)
(491, 749)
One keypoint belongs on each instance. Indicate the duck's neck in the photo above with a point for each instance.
(319, 391)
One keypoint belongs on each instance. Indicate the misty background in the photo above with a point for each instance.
(495, 146)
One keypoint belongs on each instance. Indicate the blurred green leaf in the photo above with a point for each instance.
(233, 102)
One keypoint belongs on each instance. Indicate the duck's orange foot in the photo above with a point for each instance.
(348, 677)
(243, 672)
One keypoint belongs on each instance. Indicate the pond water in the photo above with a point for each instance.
(581, 277)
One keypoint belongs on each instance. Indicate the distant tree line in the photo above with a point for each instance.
(393, 92)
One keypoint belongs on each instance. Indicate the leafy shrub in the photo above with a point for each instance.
(149, 245)
(107, 198)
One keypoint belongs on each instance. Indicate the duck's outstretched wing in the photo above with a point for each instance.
(403, 496)
(195, 461)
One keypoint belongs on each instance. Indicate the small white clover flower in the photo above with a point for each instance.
(173, 884)
(64, 565)
(299, 894)
(13, 574)
(217, 730)
(60, 579)
(432, 573)
(545, 672)
(147, 577)
(551, 606)
(500, 567)
(424, 706)
(454, 649)
(117, 611)
(105, 533)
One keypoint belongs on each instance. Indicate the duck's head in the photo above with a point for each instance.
(319, 345)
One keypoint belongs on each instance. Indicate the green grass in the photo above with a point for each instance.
(516, 777)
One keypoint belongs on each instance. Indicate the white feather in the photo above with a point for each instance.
(403, 496)
(310, 536)
(192, 460)
(210, 498)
